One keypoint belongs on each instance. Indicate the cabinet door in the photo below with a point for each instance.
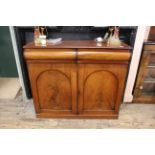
(100, 89)
(54, 89)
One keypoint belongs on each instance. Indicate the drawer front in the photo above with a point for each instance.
(99, 54)
(45, 54)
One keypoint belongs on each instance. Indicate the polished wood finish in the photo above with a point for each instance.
(100, 88)
(77, 82)
(151, 36)
(102, 54)
(54, 87)
(33, 54)
(144, 91)
(77, 44)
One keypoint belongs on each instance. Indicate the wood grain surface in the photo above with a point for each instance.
(74, 44)
(77, 79)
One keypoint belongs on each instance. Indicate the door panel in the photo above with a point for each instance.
(55, 87)
(56, 92)
(100, 88)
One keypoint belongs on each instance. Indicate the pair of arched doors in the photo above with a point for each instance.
(77, 90)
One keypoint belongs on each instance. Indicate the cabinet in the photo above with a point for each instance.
(77, 79)
(144, 91)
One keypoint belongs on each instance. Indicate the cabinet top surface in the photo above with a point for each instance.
(77, 44)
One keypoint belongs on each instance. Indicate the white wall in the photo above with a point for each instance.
(142, 34)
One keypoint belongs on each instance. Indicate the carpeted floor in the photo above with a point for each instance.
(20, 114)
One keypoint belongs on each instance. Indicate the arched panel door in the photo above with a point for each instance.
(54, 89)
(100, 89)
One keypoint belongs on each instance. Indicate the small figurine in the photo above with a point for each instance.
(39, 36)
(36, 36)
(43, 37)
(114, 40)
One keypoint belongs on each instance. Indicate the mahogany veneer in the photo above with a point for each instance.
(77, 79)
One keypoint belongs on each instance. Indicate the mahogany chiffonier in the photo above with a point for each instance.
(77, 79)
